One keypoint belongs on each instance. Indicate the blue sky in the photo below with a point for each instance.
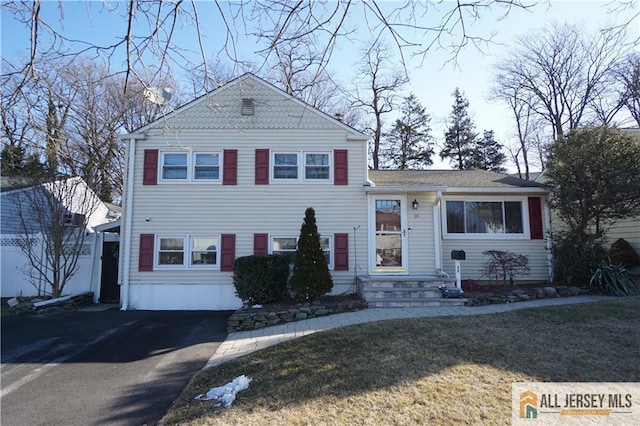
(432, 78)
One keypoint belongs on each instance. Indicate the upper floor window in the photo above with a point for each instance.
(207, 166)
(311, 166)
(193, 166)
(484, 217)
(316, 166)
(174, 166)
(285, 166)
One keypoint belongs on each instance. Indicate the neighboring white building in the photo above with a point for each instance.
(84, 212)
(231, 174)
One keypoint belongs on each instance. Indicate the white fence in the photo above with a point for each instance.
(15, 271)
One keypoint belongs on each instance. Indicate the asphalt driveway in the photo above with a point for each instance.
(109, 367)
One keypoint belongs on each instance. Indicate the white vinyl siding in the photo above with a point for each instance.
(471, 268)
(244, 209)
(279, 124)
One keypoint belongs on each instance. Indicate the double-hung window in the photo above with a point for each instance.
(288, 246)
(171, 251)
(206, 166)
(306, 166)
(190, 167)
(204, 250)
(187, 251)
(484, 217)
(175, 166)
(316, 166)
(285, 166)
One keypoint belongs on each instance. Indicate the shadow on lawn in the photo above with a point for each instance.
(591, 342)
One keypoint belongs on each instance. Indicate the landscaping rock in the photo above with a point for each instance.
(550, 292)
(251, 318)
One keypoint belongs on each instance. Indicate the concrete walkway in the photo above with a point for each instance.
(241, 343)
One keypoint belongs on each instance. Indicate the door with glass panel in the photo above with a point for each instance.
(390, 235)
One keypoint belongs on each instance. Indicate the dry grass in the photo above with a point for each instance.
(455, 370)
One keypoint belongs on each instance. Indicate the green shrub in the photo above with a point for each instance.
(311, 278)
(576, 254)
(261, 278)
(612, 279)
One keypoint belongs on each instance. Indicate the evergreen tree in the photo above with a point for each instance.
(459, 136)
(310, 278)
(487, 154)
(16, 162)
(407, 145)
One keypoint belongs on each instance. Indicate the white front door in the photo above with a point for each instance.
(389, 217)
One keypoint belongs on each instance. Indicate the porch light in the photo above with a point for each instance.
(415, 204)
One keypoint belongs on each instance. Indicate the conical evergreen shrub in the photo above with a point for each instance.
(311, 278)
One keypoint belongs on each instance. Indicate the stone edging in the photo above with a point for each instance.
(244, 319)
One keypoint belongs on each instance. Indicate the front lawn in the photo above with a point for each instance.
(451, 370)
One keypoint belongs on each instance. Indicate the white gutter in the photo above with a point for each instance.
(496, 190)
(126, 229)
(396, 189)
(437, 235)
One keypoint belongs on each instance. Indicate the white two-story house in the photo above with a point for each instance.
(231, 173)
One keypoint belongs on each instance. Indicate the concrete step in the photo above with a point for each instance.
(415, 302)
(399, 292)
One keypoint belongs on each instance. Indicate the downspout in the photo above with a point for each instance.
(437, 237)
(95, 288)
(547, 224)
(126, 230)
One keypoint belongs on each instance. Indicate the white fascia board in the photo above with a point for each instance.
(107, 226)
(357, 138)
(396, 189)
(133, 136)
(488, 191)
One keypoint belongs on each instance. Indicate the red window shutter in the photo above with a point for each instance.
(340, 167)
(150, 167)
(535, 218)
(262, 167)
(230, 167)
(341, 252)
(145, 258)
(260, 243)
(228, 251)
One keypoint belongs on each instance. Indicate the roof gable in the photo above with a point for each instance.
(273, 108)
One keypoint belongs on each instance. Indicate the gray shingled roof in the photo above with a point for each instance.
(449, 178)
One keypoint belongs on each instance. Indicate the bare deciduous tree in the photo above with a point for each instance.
(73, 120)
(628, 74)
(378, 92)
(560, 72)
(146, 35)
(53, 228)
(528, 129)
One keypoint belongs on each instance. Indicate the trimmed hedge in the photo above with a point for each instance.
(261, 278)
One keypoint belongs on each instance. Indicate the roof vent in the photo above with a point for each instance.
(248, 106)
